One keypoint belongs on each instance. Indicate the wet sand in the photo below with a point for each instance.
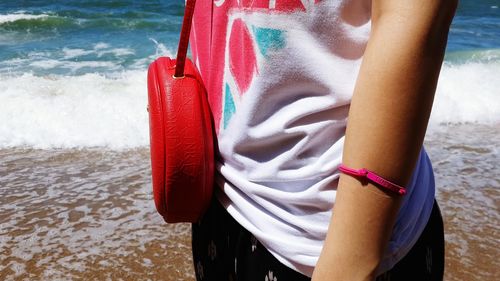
(85, 215)
(466, 161)
(89, 215)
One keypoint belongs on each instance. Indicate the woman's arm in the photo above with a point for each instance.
(387, 123)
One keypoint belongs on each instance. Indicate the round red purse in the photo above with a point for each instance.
(181, 135)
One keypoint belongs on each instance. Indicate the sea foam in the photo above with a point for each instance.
(468, 93)
(96, 110)
(20, 16)
(74, 111)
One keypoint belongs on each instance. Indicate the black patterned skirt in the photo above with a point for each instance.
(224, 250)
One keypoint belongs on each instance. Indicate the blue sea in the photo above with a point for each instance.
(75, 199)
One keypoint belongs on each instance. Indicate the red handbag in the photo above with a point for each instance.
(181, 134)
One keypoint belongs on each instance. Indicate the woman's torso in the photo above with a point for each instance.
(280, 76)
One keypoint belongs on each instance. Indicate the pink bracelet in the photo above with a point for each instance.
(364, 173)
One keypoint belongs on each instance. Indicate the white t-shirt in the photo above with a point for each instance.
(280, 77)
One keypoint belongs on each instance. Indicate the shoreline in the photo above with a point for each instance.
(88, 213)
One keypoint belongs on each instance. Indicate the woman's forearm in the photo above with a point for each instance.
(387, 123)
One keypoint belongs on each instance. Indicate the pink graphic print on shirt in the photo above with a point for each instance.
(231, 62)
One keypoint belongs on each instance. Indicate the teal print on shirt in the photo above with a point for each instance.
(229, 107)
(268, 39)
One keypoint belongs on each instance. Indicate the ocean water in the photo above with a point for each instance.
(75, 198)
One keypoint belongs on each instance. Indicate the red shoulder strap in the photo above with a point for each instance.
(184, 38)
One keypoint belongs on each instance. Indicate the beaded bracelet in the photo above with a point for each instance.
(371, 176)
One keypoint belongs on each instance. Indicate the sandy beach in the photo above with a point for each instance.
(465, 159)
(89, 215)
